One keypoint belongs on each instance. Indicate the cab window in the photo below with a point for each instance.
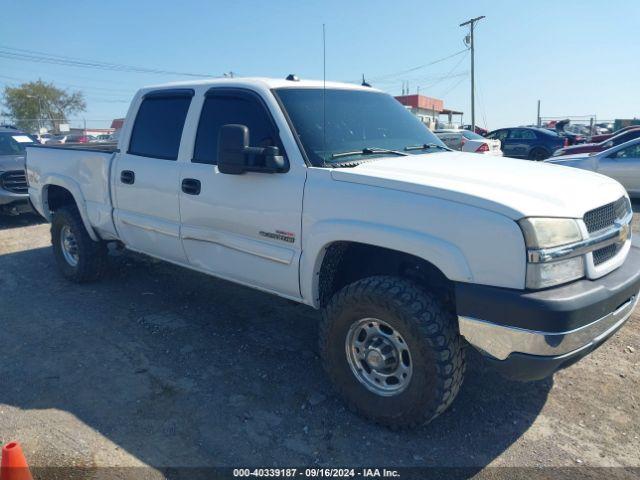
(158, 126)
(232, 107)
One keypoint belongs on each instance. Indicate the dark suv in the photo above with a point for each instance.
(14, 197)
(528, 142)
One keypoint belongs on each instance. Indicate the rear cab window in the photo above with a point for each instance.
(158, 126)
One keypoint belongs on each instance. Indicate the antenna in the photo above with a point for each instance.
(324, 88)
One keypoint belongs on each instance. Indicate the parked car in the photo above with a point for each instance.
(621, 162)
(69, 138)
(607, 136)
(104, 138)
(528, 142)
(478, 130)
(599, 147)
(14, 197)
(43, 138)
(572, 138)
(413, 251)
(467, 141)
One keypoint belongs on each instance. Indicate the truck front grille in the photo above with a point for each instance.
(606, 253)
(605, 216)
(14, 181)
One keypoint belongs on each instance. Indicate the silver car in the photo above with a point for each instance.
(14, 197)
(621, 163)
(468, 141)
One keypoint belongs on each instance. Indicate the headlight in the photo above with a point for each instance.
(546, 233)
(550, 232)
(543, 275)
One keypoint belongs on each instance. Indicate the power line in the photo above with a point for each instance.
(41, 57)
(454, 86)
(449, 74)
(418, 67)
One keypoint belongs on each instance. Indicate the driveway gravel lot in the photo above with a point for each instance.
(156, 366)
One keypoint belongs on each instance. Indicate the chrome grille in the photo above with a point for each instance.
(606, 253)
(14, 181)
(605, 216)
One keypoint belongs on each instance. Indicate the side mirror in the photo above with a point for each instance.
(235, 156)
(232, 142)
(609, 144)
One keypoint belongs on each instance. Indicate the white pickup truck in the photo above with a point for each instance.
(337, 197)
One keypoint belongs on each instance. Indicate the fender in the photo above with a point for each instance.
(442, 254)
(73, 187)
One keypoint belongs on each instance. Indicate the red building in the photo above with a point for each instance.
(427, 109)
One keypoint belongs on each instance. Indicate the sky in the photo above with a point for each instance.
(578, 58)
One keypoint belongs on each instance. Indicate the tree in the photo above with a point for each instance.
(39, 104)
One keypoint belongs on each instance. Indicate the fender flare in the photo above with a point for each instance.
(445, 256)
(76, 192)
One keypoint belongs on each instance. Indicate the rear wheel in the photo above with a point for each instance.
(392, 350)
(539, 154)
(79, 258)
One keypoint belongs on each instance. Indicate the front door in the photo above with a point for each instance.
(147, 177)
(247, 227)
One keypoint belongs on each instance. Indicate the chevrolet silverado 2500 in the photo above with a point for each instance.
(336, 197)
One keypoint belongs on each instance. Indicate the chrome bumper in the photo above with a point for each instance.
(500, 341)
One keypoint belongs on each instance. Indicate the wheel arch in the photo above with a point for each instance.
(60, 191)
(330, 263)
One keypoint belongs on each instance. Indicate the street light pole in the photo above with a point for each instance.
(472, 24)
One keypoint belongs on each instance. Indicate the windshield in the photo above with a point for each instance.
(355, 121)
(13, 143)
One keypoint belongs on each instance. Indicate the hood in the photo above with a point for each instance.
(568, 158)
(515, 188)
(583, 148)
(11, 162)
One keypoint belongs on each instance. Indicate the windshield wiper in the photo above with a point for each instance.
(368, 151)
(425, 146)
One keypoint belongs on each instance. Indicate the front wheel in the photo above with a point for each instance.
(79, 258)
(392, 350)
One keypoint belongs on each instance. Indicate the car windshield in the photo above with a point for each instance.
(13, 143)
(353, 123)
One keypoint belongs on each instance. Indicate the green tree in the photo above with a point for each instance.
(39, 104)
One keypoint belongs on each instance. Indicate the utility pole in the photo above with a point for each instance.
(539, 120)
(472, 24)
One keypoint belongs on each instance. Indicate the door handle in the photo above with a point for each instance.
(191, 186)
(128, 177)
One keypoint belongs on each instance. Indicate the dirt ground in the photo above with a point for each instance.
(158, 366)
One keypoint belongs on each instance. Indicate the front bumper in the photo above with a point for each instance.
(14, 203)
(528, 335)
(8, 198)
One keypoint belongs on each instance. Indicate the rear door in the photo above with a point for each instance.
(518, 143)
(146, 177)
(451, 140)
(245, 228)
(624, 166)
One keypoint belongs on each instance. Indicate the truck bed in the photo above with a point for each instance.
(83, 172)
